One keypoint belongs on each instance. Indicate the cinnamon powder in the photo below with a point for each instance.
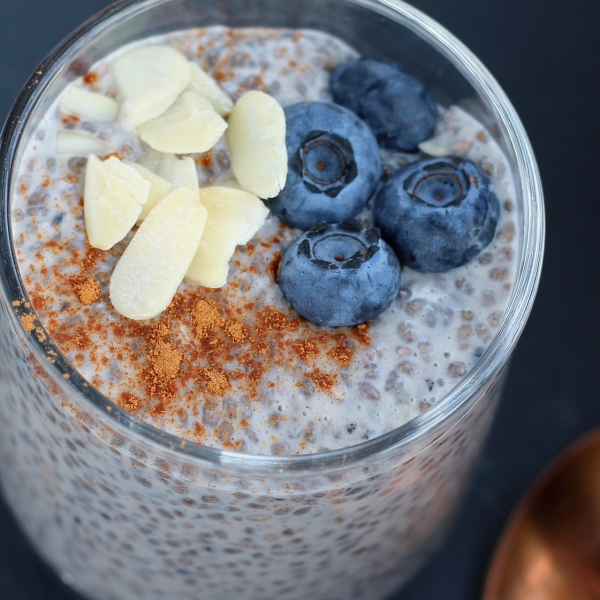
(165, 361)
(322, 380)
(215, 380)
(87, 289)
(90, 78)
(342, 355)
(306, 349)
(236, 332)
(207, 317)
(28, 322)
(129, 402)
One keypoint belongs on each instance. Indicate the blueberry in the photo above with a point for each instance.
(396, 106)
(437, 213)
(334, 165)
(340, 275)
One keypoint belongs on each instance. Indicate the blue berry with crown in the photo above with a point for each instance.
(334, 165)
(437, 214)
(340, 274)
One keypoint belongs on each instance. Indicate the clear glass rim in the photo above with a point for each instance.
(397, 440)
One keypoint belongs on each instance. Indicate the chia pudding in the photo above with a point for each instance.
(122, 514)
(250, 374)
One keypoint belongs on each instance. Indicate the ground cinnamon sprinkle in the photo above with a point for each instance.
(165, 361)
(228, 445)
(81, 341)
(92, 255)
(236, 332)
(206, 160)
(361, 334)
(69, 119)
(306, 349)
(207, 317)
(87, 289)
(160, 330)
(275, 265)
(90, 78)
(70, 178)
(129, 402)
(215, 380)
(159, 409)
(28, 322)
(322, 380)
(38, 301)
(262, 348)
(342, 355)
(115, 154)
(277, 321)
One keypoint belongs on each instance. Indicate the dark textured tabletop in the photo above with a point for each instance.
(546, 56)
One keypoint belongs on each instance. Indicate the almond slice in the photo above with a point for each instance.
(159, 188)
(149, 78)
(179, 172)
(434, 147)
(73, 143)
(256, 138)
(89, 106)
(113, 196)
(234, 216)
(206, 87)
(153, 265)
(191, 125)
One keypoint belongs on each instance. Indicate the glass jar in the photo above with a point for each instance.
(120, 509)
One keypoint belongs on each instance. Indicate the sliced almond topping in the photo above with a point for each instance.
(234, 216)
(113, 196)
(89, 106)
(256, 138)
(435, 148)
(73, 143)
(179, 172)
(149, 78)
(153, 265)
(190, 125)
(159, 189)
(204, 85)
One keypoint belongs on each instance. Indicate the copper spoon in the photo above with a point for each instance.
(550, 549)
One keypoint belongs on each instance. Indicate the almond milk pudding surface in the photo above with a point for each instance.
(237, 368)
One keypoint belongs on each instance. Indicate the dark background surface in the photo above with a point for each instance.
(546, 55)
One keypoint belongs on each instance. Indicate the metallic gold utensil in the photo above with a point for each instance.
(550, 549)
